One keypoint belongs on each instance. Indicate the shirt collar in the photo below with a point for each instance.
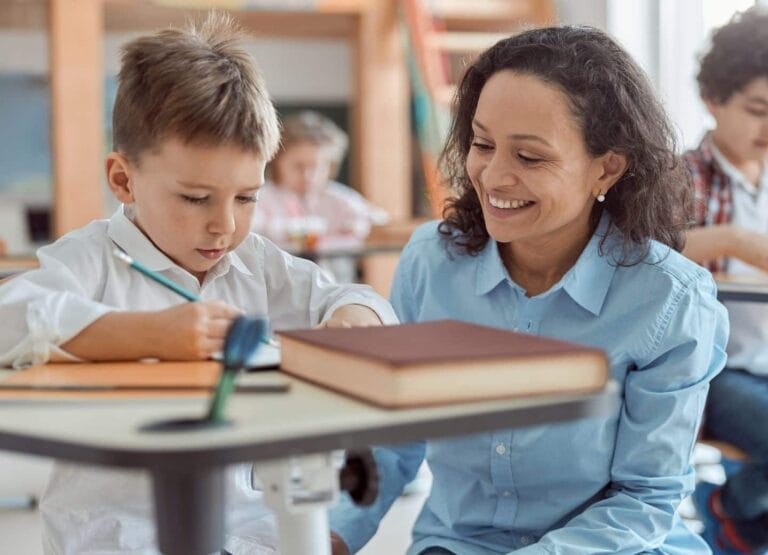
(587, 282)
(730, 170)
(132, 240)
(126, 235)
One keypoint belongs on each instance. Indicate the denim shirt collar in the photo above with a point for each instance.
(587, 282)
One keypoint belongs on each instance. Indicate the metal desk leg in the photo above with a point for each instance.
(300, 490)
(189, 510)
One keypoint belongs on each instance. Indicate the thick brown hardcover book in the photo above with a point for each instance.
(438, 362)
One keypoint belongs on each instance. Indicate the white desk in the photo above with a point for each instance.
(745, 288)
(187, 467)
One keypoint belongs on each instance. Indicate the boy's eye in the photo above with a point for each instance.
(194, 200)
(758, 113)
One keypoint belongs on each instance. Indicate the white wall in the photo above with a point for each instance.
(295, 70)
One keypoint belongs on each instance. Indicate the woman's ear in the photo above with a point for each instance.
(119, 171)
(611, 167)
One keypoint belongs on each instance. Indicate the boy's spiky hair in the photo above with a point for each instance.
(198, 84)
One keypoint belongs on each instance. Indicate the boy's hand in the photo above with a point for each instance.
(352, 316)
(194, 331)
(750, 247)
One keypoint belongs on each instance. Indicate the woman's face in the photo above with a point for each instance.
(529, 165)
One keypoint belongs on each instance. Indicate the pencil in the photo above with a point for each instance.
(159, 278)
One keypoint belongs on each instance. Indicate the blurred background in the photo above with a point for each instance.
(383, 70)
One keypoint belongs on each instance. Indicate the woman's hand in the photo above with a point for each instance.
(338, 547)
(352, 316)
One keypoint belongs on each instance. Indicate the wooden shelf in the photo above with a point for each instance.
(143, 15)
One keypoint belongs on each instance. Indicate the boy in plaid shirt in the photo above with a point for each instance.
(730, 179)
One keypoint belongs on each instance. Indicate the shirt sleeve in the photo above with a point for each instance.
(300, 294)
(663, 403)
(397, 465)
(44, 308)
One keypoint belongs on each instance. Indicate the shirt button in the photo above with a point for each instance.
(500, 449)
(506, 493)
(525, 540)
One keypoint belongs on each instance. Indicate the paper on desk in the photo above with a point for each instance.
(265, 357)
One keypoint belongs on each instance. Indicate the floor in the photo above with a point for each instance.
(20, 529)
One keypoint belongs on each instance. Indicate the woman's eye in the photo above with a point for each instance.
(482, 146)
(194, 200)
(528, 159)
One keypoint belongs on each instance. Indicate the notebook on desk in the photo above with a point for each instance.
(128, 380)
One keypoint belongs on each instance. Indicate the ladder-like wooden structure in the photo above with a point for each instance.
(442, 37)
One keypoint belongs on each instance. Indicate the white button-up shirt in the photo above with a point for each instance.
(749, 320)
(89, 509)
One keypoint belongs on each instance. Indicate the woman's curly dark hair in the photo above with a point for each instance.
(737, 56)
(614, 104)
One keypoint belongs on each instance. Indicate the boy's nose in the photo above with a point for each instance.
(223, 222)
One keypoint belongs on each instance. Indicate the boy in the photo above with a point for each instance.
(193, 130)
(731, 187)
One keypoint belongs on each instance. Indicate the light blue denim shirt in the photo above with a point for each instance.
(602, 485)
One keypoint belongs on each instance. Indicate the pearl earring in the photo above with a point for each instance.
(601, 197)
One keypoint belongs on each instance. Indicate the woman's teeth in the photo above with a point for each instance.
(515, 203)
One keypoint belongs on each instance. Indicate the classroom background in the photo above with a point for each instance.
(382, 70)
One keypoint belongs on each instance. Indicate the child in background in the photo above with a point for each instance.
(731, 186)
(301, 208)
(193, 131)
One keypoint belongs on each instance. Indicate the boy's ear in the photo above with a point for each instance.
(119, 171)
(711, 105)
(611, 167)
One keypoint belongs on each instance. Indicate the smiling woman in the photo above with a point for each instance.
(583, 123)
(570, 205)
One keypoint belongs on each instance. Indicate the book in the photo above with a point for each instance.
(124, 380)
(444, 361)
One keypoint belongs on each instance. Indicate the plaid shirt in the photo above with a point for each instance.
(713, 192)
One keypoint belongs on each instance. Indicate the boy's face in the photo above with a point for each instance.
(303, 167)
(194, 203)
(742, 123)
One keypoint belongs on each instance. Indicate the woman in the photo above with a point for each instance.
(569, 213)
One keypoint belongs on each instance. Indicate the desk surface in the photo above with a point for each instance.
(308, 419)
(745, 288)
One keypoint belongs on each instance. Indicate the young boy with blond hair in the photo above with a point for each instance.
(730, 177)
(193, 129)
